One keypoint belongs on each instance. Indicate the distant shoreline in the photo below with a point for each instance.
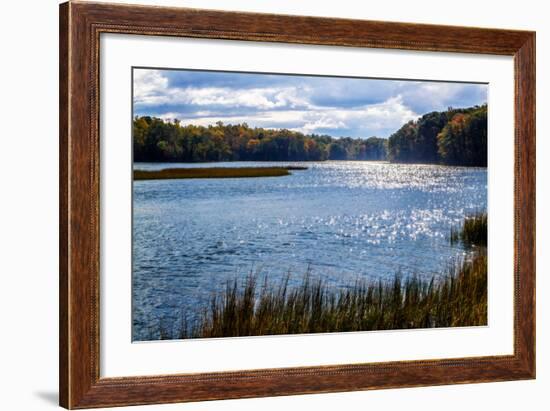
(303, 161)
(456, 136)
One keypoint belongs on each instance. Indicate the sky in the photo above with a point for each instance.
(339, 107)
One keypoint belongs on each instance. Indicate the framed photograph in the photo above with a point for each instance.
(259, 205)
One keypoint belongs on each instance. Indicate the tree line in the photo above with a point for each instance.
(452, 137)
(157, 140)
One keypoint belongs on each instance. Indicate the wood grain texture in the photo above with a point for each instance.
(63, 205)
(80, 27)
(525, 203)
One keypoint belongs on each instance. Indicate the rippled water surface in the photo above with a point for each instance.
(341, 220)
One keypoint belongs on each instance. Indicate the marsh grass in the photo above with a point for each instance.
(472, 232)
(256, 306)
(214, 172)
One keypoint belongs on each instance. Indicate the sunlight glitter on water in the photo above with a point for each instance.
(341, 220)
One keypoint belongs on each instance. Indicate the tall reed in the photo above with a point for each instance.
(256, 305)
(472, 232)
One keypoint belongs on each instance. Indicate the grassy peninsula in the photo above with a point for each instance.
(214, 172)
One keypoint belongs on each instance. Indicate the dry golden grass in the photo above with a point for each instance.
(253, 307)
(473, 231)
(215, 172)
(457, 297)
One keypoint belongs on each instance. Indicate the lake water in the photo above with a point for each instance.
(341, 220)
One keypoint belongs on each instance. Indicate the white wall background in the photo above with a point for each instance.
(29, 191)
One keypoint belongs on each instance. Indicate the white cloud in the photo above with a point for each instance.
(258, 98)
(428, 96)
(390, 114)
(148, 85)
(151, 88)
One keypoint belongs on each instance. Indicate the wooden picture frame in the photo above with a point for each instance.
(80, 27)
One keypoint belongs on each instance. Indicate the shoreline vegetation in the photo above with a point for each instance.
(257, 306)
(473, 232)
(214, 172)
(457, 136)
